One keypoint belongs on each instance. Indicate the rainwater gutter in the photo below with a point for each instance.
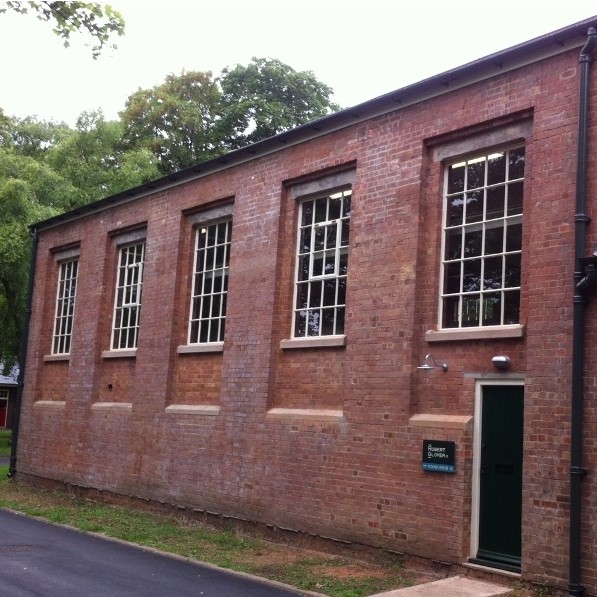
(12, 468)
(582, 283)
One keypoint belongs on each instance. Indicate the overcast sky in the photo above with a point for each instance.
(360, 48)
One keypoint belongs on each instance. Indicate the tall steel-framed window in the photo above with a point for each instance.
(207, 320)
(127, 303)
(65, 306)
(322, 265)
(481, 257)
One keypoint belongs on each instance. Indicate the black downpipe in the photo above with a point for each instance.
(12, 469)
(581, 284)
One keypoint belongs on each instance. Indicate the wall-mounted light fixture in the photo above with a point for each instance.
(431, 363)
(501, 362)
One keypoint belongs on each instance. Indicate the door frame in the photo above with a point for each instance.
(476, 480)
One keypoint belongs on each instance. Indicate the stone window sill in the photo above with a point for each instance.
(130, 353)
(313, 414)
(316, 342)
(199, 348)
(488, 333)
(51, 358)
(57, 404)
(193, 409)
(115, 406)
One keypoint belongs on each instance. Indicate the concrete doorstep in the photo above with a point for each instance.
(457, 586)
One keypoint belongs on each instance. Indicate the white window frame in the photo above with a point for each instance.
(483, 225)
(66, 294)
(128, 296)
(313, 280)
(202, 316)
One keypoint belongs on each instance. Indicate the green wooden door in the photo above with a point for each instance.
(500, 489)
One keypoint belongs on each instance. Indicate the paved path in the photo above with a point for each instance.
(38, 559)
(4, 460)
(455, 586)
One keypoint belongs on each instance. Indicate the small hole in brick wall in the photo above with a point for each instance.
(110, 387)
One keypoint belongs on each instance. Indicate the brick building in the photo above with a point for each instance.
(246, 337)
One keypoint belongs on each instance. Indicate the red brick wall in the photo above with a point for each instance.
(358, 478)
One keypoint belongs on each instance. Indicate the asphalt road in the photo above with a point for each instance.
(38, 559)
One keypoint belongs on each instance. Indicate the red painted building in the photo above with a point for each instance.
(246, 337)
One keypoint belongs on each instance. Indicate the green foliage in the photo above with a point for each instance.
(192, 117)
(5, 447)
(94, 160)
(176, 120)
(46, 169)
(98, 20)
(268, 97)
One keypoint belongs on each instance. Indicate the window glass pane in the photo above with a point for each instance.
(495, 202)
(474, 206)
(452, 277)
(515, 198)
(456, 178)
(346, 205)
(321, 211)
(470, 310)
(307, 215)
(450, 311)
(303, 268)
(454, 244)
(341, 291)
(345, 232)
(494, 239)
(472, 242)
(317, 264)
(330, 240)
(516, 163)
(496, 168)
(329, 293)
(492, 277)
(471, 279)
(492, 308)
(512, 277)
(327, 321)
(511, 307)
(300, 321)
(475, 172)
(315, 294)
(340, 320)
(305, 242)
(514, 237)
(455, 210)
(313, 322)
(319, 238)
(335, 208)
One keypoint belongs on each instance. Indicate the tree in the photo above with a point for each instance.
(175, 120)
(31, 137)
(268, 97)
(29, 191)
(46, 169)
(94, 159)
(99, 20)
(192, 117)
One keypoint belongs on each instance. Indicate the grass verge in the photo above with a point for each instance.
(5, 435)
(324, 573)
